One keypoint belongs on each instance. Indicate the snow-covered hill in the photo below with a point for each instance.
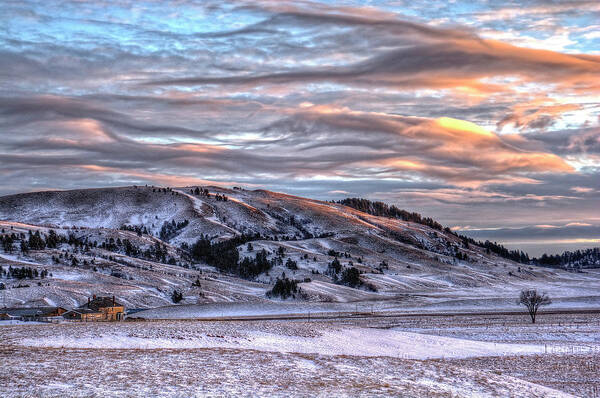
(136, 243)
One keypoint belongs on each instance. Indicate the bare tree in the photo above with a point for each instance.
(533, 300)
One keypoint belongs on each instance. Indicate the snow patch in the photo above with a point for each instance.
(350, 341)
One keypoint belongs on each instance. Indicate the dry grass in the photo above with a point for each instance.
(575, 374)
(54, 372)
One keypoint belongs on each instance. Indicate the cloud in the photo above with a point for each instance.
(578, 224)
(338, 192)
(536, 116)
(417, 104)
(446, 148)
(582, 189)
(18, 111)
(576, 143)
(445, 62)
(471, 196)
(540, 233)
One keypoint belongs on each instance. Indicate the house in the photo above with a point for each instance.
(98, 309)
(83, 315)
(38, 314)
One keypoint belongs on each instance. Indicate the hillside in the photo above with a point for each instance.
(234, 245)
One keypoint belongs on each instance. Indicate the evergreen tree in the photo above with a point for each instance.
(334, 267)
(176, 296)
(351, 277)
(24, 247)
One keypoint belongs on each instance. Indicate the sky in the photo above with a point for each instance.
(484, 115)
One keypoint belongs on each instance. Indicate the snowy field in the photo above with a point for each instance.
(352, 341)
(428, 356)
(447, 304)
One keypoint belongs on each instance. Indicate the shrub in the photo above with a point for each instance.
(176, 296)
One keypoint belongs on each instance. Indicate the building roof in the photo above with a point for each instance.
(82, 311)
(100, 302)
(31, 311)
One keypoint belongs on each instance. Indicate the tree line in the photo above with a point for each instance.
(588, 258)
(32, 241)
(382, 209)
(22, 273)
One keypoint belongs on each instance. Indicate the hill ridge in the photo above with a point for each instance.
(143, 243)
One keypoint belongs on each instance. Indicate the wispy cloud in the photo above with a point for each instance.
(446, 109)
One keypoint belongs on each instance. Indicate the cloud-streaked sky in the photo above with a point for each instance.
(482, 114)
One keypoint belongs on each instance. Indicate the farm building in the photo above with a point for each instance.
(4, 316)
(39, 314)
(98, 309)
(83, 315)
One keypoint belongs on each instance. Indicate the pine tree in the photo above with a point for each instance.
(176, 296)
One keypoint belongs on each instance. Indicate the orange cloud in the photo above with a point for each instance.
(462, 126)
(159, 178)
(445, 148)
(536, 114)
